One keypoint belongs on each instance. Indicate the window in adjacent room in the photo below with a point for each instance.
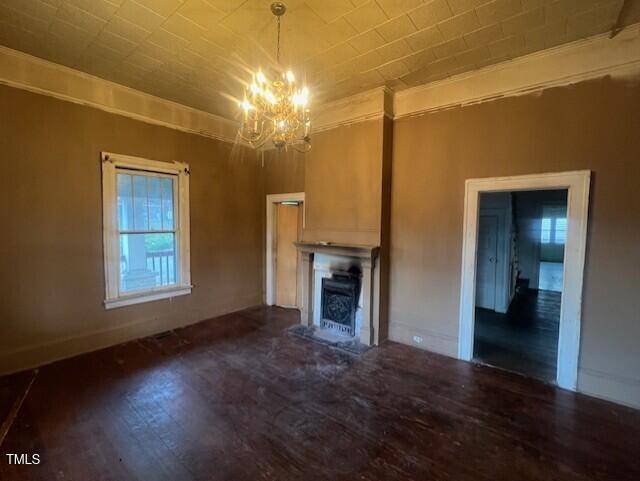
(146, 229)
(553, 229)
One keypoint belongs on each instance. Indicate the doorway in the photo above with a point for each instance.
(576, 186)
(519, 264)
(285, 221)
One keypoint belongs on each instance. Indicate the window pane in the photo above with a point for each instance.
(147, 261)
(167, 203)
(140, 204)
(545, 231)
(155, 203)
(561, 231)
(125, 202)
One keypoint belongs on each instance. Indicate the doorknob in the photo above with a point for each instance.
(492, 259)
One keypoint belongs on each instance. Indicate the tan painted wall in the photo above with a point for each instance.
(51, 268)
(51, 248)
(342, 177)
(283, 172)
(593, 125)
(343, 184)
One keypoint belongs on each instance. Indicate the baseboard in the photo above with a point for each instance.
(431, 340)
(33, 356)
(609, 387)
(617, 389)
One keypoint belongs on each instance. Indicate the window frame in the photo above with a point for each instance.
(111, 163)
(553, 230)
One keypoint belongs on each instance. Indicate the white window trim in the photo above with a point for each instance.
(113, 297)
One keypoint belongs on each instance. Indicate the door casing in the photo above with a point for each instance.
(270, 257)
(577, 184)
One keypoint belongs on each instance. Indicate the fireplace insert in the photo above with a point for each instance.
(339, 302)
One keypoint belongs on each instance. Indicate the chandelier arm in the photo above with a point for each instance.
(263, 138)
(260, 140)
(254, 140)
(257, 145)
(303, 150)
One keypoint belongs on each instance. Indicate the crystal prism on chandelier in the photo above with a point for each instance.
(276, 110)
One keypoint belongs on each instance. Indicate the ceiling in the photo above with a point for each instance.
(197, 52)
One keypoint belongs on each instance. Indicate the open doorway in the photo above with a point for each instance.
(519, 280)
(285, 221)
(576, 184)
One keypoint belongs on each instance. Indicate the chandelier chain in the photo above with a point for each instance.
(278, 43)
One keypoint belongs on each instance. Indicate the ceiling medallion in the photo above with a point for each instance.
(276, 110)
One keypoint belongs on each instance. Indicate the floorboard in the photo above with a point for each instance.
(238, 398)
(525, 339)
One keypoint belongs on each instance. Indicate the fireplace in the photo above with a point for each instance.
(359, 303)
(339, 302)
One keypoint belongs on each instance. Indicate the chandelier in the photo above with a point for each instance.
(276, 110)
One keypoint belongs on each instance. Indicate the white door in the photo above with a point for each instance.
(487, 261)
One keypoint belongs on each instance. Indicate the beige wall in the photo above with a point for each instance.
(345, 178)
(283, 172)
(51, 268)
(593, 125)
(51, 272)
(343, 184)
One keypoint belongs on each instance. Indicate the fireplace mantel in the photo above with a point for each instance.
(348, 250)
(367, 257)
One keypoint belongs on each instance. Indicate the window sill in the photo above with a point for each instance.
(147, 297)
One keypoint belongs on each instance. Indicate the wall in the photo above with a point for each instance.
(51, 249)
(591, 125)
(51, 262)
(283, 171)
(343, 184)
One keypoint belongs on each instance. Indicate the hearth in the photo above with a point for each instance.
(339, 301)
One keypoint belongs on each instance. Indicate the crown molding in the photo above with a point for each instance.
(567, 64)
(23, 71)
(369, 105)
(26, 72)
(594, 57)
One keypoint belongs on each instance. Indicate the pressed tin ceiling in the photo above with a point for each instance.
(197, 52)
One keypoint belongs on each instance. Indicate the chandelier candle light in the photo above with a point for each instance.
(276, 110)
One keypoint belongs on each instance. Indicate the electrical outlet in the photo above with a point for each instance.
(417, 339)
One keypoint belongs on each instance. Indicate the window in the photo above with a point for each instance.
(146, 229)
(553, 228)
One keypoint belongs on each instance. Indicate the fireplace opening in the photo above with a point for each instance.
(339, 302)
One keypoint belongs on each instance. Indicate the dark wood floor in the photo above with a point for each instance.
(236, 398)
(523, 340)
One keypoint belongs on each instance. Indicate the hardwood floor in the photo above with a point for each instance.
(237, 398)
(523, 340)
